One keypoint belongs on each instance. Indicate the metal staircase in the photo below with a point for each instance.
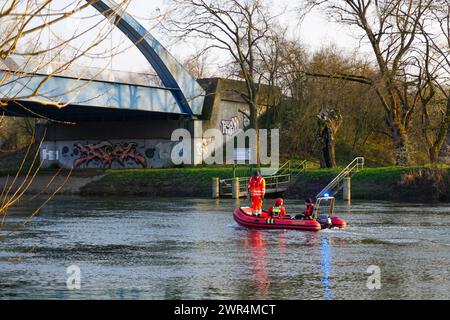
(338, 182)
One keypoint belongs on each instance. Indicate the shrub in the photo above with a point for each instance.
(425, 184)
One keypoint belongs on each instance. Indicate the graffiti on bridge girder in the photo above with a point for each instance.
(106, 153)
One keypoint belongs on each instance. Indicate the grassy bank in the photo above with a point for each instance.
(161, 182)
(382, 183)
(419, 183)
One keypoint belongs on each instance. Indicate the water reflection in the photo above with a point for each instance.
(271, 262)
(326, 268)
(258, 262)
(282, 244)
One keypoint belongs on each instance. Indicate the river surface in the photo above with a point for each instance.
(142, 248)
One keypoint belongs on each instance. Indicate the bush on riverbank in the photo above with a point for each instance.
(10, 161)
(425, 184)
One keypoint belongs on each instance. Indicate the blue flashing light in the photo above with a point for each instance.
(326, 195)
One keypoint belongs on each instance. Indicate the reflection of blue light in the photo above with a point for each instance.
(326, 268)
(326, 194)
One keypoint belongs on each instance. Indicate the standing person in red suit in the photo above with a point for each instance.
(257, 190)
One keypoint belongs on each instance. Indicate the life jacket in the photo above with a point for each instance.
(276, 211)
(257, 186)
(309, 209)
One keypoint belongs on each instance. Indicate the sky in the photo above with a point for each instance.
(313, 32)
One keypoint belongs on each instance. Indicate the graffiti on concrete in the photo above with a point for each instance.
(106, 153)
(137, 153)
(164, 150)
(230, 127)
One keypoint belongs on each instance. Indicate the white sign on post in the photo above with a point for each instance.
(242, 154)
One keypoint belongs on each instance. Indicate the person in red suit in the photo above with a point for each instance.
(309, 208)
(278, 210)
(309, 211)
(257, 190)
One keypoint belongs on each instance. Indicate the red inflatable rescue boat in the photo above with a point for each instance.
(244, 217)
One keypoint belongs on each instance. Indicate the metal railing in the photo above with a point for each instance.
(278, 182)
(336, 184)
(292, 167)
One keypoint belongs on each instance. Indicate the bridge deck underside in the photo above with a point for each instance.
(74, 113)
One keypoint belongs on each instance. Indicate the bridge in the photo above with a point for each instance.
(108, 122)
(179, 94)
(112, 122)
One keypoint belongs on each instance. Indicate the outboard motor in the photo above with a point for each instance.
(324, 220)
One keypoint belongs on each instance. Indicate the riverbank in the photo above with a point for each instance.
(412, 184)
(169, 182)
(50, 181)
(383, 183)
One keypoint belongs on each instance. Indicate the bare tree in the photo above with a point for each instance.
(237, 27)
(436, 60)
(391, 28)
(196, 64)
(311, 96)
(31, 53)
(30, 49)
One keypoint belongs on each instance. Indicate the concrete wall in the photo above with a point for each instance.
(115, 154)
(224, 108)
(110, 144)
(231, 117)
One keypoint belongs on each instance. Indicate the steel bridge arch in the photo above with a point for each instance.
(188, 94)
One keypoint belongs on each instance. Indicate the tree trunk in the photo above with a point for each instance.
(321, 150)
(400, 141)
(328, 125)
(327, 148)
(330, 158)
(442, 136)
(434, 154)
(254, 125)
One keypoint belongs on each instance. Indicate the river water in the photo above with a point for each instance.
(142, 248)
